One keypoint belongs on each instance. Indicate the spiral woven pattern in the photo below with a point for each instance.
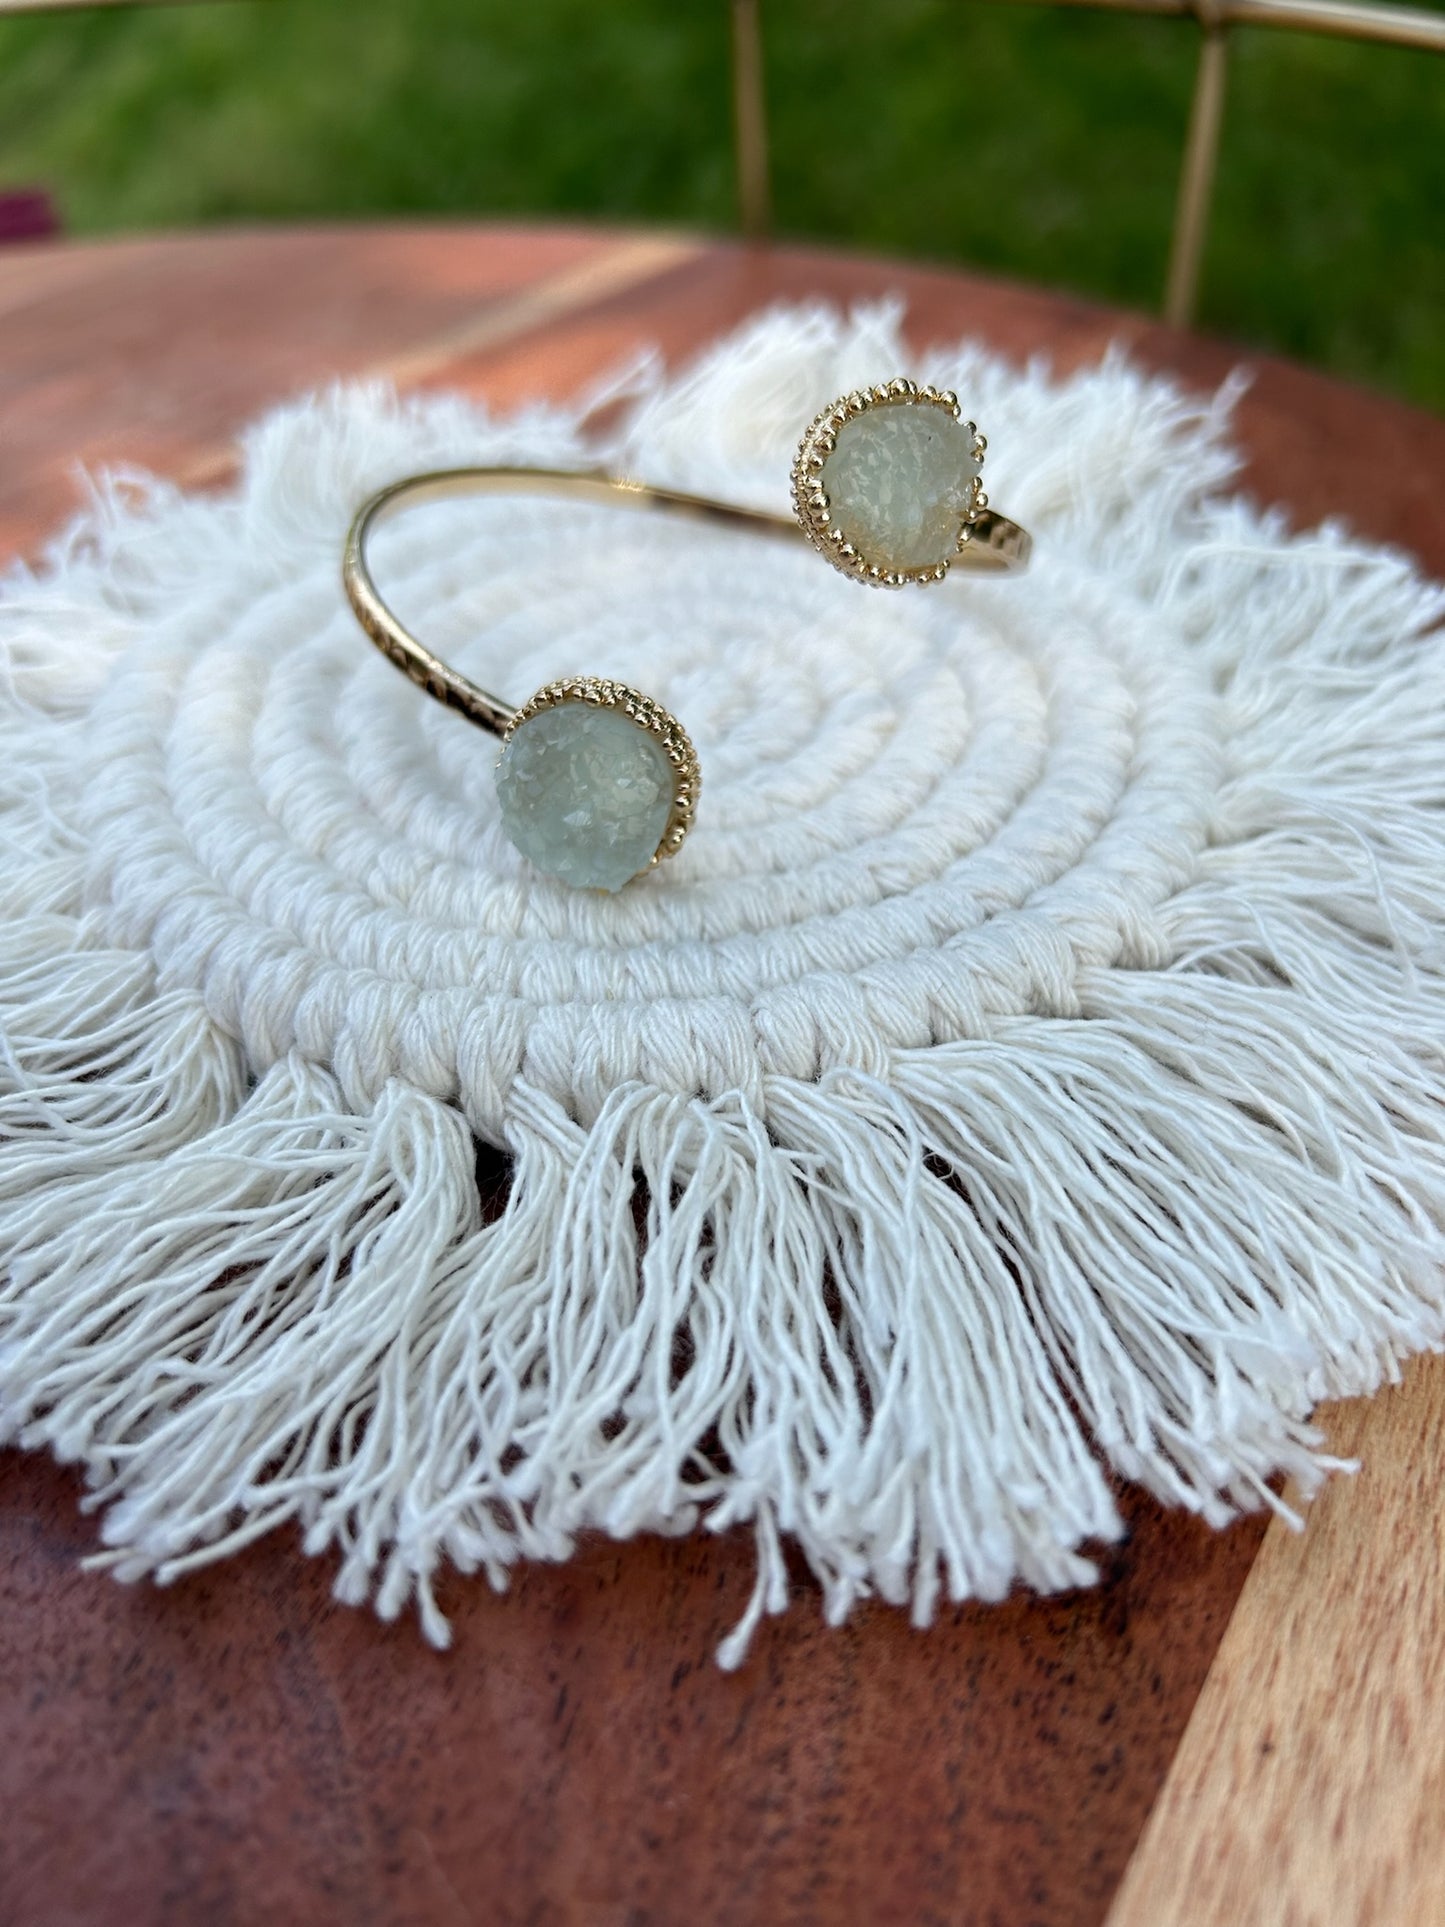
(923, 811)
(1027, 1074)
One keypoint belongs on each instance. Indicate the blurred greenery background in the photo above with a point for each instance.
(1039, 144)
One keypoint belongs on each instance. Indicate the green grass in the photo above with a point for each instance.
(1033, 143)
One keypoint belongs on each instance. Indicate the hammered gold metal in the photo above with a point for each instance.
(411, 656)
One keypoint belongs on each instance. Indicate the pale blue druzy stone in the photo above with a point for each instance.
(899, 483)
(585, 794)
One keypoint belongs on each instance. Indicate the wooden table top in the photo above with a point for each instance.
(1239, 1727)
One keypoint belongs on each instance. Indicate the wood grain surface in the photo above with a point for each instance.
(1310, 1784)
(239, 1749)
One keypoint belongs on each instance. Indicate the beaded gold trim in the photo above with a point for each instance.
(647, 714)
(810, 498)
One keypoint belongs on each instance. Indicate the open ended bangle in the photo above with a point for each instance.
(597, 782)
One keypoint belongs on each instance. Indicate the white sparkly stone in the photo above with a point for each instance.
(898, 483)
(585, 794)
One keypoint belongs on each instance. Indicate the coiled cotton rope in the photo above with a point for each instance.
(1030, 1070)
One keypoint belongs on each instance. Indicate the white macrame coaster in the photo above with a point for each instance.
(1030, 1072)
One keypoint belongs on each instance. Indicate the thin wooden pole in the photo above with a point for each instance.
(750, 125)
(1196, 179)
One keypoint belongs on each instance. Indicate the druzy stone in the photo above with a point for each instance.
(585, 794)
(898, 484)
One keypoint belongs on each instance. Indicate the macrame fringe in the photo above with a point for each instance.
(910, 1319)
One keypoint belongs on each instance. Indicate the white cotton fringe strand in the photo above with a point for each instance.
(909, 1316)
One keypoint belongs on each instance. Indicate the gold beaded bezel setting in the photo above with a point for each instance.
(810, 498)
(647, 714)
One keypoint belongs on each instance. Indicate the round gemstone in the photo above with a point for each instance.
(585, 794)
(898, 484)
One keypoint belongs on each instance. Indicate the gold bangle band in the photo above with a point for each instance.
(640, 805)
(418, 662)
(994, 544)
